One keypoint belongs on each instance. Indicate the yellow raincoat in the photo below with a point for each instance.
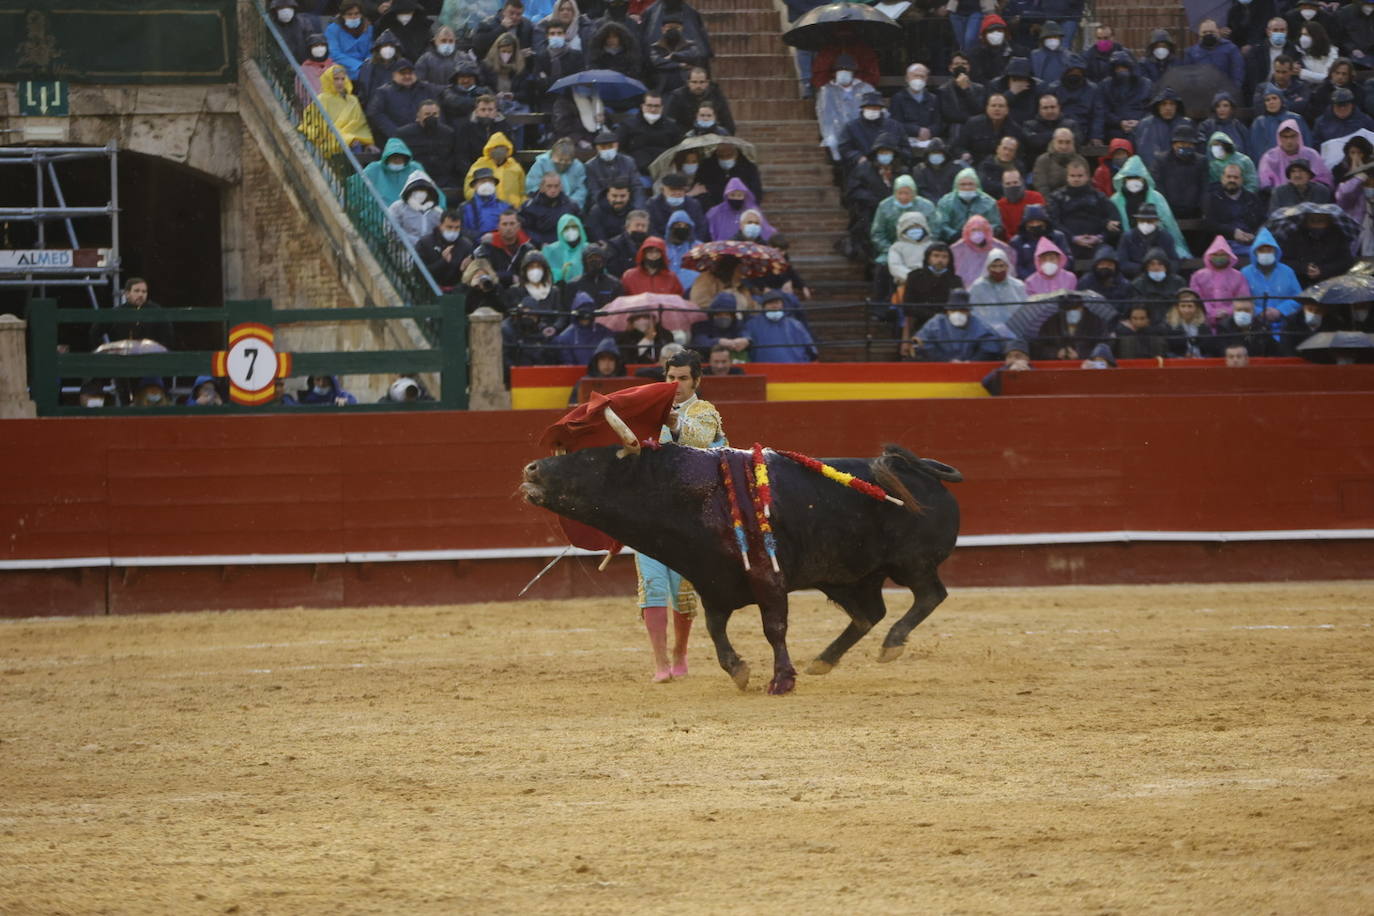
(510, 173)
(344, 110)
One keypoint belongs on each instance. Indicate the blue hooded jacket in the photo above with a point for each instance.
(686, 276)
(581, 341)
(309, 395)
(1276, 287)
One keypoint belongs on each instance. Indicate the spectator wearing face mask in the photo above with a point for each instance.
(1052, 167)
(674, 57)
(435, 146)
(440, 58)
(838, 103)
(651, 273)
(509, 19)
(1155, 132)
(721, 327)
(725, 165)
(1080, 99)
(935, 176)
(1052, 273)
(1105, 277)
(325, 389)
(965, 201)
(293, 29)
(317, 62)
(916, 107)
(1011, 206)
(1161, 55)
(1273, 165)
(723, 220)
(350, 38)
(527, 337)
(1318, 55)
(444, 251)
(1135, 188)
(1048, 60)
(1141, 239)
(1005, 158)
(904, 199)
(1218, 281)
(601, 286)
(869, 184)
(1355, 30)
(418, 211)
(510, 176)
(1264, 129)
(1312, 318)
(1217, 51)
(377, 70)
(409, 23)
(459, 97)
(1035, 225)
(483, 209)
(1243, 327)
(387, 176)
(1097, 54)
(1180, 174)
(859, 135)
(1126, 95)
(612, 167)
(648, 133)
(1261, 57)
(564, 254)
(925, 291)
(908, 251)
(988, 58)
(960, 97)
(971, 250)
(1158, 284)
(561, 160)
(680, 241)
(537, 288)
(1070, 333)
(997, 291)
(672, 197)
(776, 337)
(585, 339)
(957, 335)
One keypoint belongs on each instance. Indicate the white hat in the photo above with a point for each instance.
(405, 389)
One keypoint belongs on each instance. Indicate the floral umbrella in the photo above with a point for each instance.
(758, 260)
(674, 312)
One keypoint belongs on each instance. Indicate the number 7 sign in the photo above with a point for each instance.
(251, 364)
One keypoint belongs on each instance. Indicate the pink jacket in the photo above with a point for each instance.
(1218, 287)
(1063, 279)
(969, 258)
(1273, 165)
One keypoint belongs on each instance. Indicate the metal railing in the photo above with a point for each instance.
(329, 151)
(48, 366)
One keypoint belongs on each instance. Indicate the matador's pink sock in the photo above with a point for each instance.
(656, 622)
(682, 629)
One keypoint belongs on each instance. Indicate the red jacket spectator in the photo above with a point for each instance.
(1102, 178)
(1012, 212)
(660, 279)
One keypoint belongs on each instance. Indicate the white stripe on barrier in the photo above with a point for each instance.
(513, 553)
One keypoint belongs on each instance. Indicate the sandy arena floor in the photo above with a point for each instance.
(1195, 749)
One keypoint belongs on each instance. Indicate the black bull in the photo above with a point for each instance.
(670, 504)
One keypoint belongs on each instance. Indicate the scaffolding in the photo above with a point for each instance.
(50, 263)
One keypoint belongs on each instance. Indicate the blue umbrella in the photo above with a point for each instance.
(610, 85)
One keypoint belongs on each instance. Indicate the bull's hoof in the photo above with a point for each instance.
(740, 675)
(782, 684)
(818, 666)
(891, 653)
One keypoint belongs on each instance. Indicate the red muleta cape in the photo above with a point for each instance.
(644, 408)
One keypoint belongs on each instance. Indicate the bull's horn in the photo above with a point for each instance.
(623, 431)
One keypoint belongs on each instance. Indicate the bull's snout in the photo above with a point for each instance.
(530, 488)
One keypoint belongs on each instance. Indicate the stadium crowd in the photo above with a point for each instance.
(1029, 202)
(1025, 170)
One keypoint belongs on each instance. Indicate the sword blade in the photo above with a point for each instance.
(544, 570)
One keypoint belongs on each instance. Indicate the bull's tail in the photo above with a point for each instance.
(895, 458)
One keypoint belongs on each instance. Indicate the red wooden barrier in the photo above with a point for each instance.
(332, 484)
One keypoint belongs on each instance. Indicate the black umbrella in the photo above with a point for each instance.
(1340, 347)
(829, 24)
(1027, 320)
(1196, 84)
(1285, 221)
(1347, 289)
